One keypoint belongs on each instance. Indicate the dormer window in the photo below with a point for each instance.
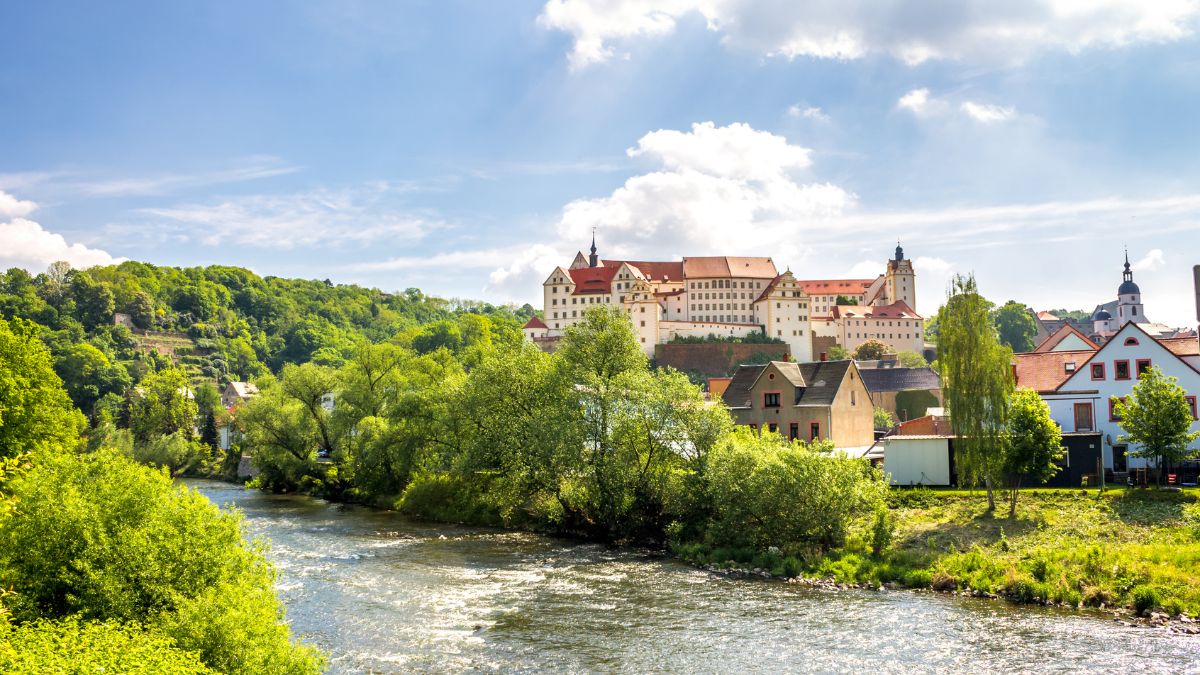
(1069, 366)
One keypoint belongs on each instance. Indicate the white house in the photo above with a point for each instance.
(1087, 380)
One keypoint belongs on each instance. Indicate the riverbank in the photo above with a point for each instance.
(1135, 550)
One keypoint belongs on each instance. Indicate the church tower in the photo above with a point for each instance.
(1129, 299)
(900, 283)
(593, 259)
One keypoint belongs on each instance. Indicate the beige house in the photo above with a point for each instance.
(236, 392)
(818, 400)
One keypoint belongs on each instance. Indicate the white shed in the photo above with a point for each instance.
(917, 460)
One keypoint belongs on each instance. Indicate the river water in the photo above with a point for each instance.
(383, 594)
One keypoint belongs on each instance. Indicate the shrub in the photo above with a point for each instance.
(71, 646)
(98, 537)
(882, 529)
(1145, 598)
(920, 579)
(448, 499)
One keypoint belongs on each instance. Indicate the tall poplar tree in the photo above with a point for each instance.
(977, 380)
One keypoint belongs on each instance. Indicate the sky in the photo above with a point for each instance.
(466, 148)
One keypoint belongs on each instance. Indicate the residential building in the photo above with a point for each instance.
(237, 392)
(1078, 385)
(808, 401)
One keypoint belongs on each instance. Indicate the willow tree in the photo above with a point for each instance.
(977, 380)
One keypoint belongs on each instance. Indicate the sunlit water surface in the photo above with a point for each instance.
(383, 594)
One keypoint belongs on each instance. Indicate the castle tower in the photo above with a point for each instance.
(593, 259)
(1129, 299)
(900, 283)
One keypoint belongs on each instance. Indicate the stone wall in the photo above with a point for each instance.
(715, 359)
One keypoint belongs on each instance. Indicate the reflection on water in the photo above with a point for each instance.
(383, 594)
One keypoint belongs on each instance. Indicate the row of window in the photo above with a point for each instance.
(889, 336)
(1083, 413)
(723, 283)
(899, 324)
(814, 430)
(1120, 369)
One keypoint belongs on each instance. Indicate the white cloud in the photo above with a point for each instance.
(1152, 261)
(247, 169)
(1004, 32)
(808, 112)
(987, 114)
(28, 245)
(320, 217)
(916, 100)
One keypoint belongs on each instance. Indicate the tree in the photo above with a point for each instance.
(1157, 417)
(1034, 445)
(976, 376)
(883, 419)
(872, 350)
(911, 360)
(98, 537)
(208, 433)
(88, 375)
(1015, 325)
(162, 405)
(93, 301)
(35, 410)
(843, 300)
(838, 353)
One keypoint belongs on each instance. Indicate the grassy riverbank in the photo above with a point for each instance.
(1137, 549)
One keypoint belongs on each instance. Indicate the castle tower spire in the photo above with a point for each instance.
(593, 259)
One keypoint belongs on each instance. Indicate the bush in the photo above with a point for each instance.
(71, 646)
(447, 499)
(1145, 598)
(882, 530)
(177, 453)
(98, 537)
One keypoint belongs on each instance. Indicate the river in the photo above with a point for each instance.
(383, 594)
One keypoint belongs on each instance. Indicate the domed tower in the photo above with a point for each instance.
(900, 283)
(1129, 299)
(1100, 321)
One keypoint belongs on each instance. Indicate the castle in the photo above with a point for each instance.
(729, 296)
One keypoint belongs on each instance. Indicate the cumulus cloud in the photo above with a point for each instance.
(324, 217)
(1152, 261)
(1008, 32)
(916, 101)
(982, 112)
(28, 245)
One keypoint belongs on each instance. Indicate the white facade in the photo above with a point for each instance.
(1082, 402)
(917, 460)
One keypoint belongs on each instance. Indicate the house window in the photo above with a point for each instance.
(1192, 404)
(1121, 370)
(1131, 342)
(1142, 366)
(1112, 410)
(794, 428)
(771, 399)
(814, 431)
(852, 400)
(1083, 417)
(1097, 371)
(773, 428)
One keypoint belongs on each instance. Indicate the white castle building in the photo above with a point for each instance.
(730, 296)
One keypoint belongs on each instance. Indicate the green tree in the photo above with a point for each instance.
(98, 537)
(844, 300)
(1015, 325)
(1034, 445)
(911, 360)
(872, 350)
(35, 410)
(1156, 417)
(839, 353)
(883, 418)
(141, 310)
(162, 405)
(73, 646)
(93, 301)
(976, 376)
(88, 375)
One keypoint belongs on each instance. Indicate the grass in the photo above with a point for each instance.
(1138, 549)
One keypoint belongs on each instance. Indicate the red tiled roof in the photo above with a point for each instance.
(534, 322)
(896, 310)
(1060, 335)
(766, 291)
(1182, 346)
(654, 271)
(836, 286)
(709, 267)
(1046, 316)
(669, 294)
(592, 280)
(1045, 371)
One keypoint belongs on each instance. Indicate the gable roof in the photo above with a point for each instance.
(815, 383)
(244, 389)
(899, 379)
(534, 322)
(590, 280)
(654, 271)
(1061, 334)
(836, 286)
(1118, 340)
(1182, 346)
(1046, 371)
(897, 310)
(726, 266)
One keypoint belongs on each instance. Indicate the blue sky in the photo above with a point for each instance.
(467, 147)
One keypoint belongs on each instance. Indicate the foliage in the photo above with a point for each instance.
(911, 360)
(1035, 443)
(89, 375)
(1015, 326)
(883, 419)
(872, 350)
(914, 403)
(1073, 314)
(765, 491)
(175, 452)
(97, 537)
(1156, 417)
(977, 380)
(838, 353)
(73, 646)
(35, 411)
(755, 338)
(162, 405)
(843, 300)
